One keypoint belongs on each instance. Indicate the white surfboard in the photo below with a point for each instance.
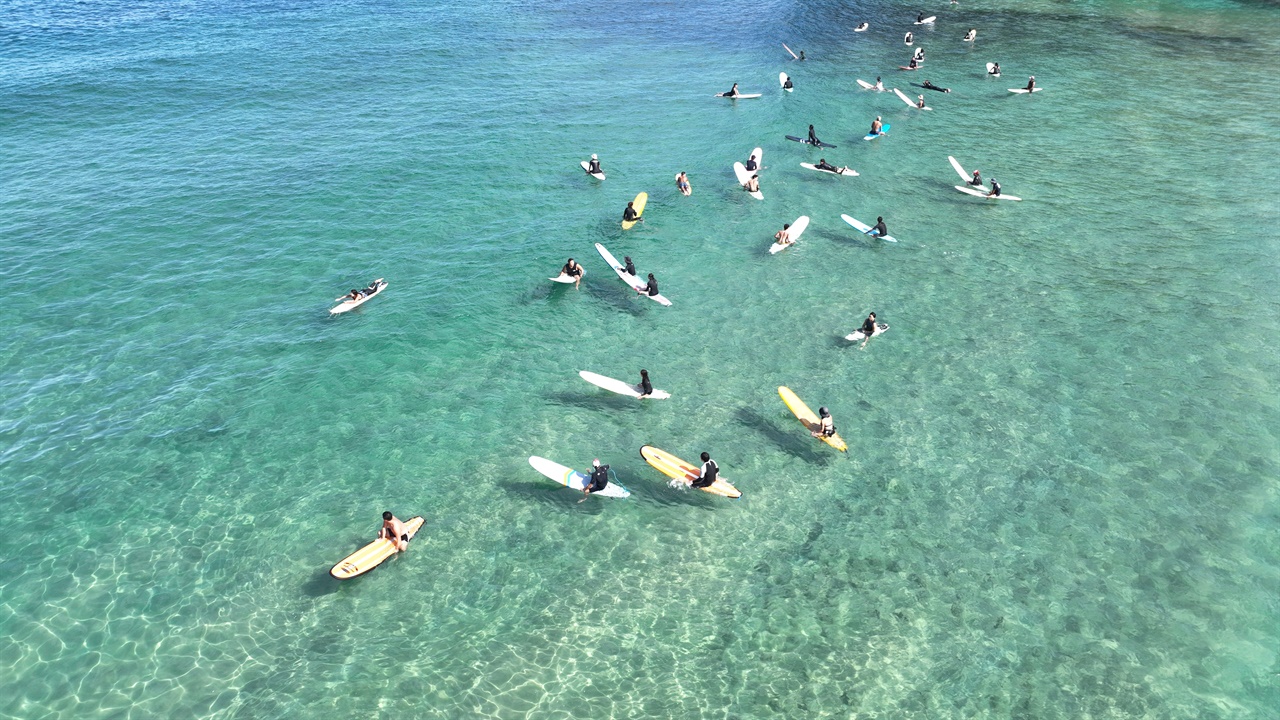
(349, 305)
(795, 231)
(1024, 91)
(990, 67)
(782, 82)
(964, 175)
(632, 281)
(573, 479)
(743, 176)
(793, 55)
(562, 278)
(585, 165)
(864, 228)
(862, 28)
(846, 171)
(927, 20)
(620, 387)
(859, 335)
(981, 194)
(867, 86)
(739, 96)
(907, 100)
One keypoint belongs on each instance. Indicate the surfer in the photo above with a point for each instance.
(651, 289)
(969, 36)
(826, 427)
(919, 54)
(879, 85)
(862, 27)
(629, 268)
(868, 328)
(682, 183)
(920, 17)
(707, 473)
(751, 163)
(598, 481)
(393, 530)
(753, 185)
(593, 167)
(646, 387)
(1031, 84)
(976, 180)
(813, 139)
(824, 165)
(930, 86)
(629, 213)
(801, 54)
(920, 102)
(786, 84)
(733, 91)
(353, 295)
(879, 230)
(913, 65)
(908, 39)
(995, 69)
(573, 270)
(782, 236)
(875, 126)
(995, 189)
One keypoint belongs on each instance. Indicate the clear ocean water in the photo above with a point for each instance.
(1060, 499)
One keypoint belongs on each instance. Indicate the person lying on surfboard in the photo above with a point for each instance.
(573, 270)
(394, 530)
(629, 213)
(824, 165)
(753, 185)
(593, 167)
(650, 289)
(827, 426)
(930, 86)
(995, 189)
(707, 473)
(353, 295)
(646, 387)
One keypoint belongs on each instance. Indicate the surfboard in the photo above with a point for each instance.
(739, 96)
(637, 205)
(371, 556)
(847, 171)
(795, 231)
(907, 67)
(793, 55)
(926, 21)
(859, 335)
(573, 479)
(981, 194)
(1024, 91)
(793, 138)
(782, 82)
(585, 165)
(884, 130)
(677, 469)
(964, 175)
(620, 387)
(808, 418)
(866, 85)
(684, 191)
(969, 39)
(631, 280)
(862, 28)
(909, 39)
(990, 67)
(907, 100)
(864, 228)
(743, 176)
(562, 278)
(349, 305)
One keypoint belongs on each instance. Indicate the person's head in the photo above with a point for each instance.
(629, 204)
(822, 161)
(644, 374)
(571, 262)
(786, 225)
(753, 156)
(920, 97)
(872, 316)
(595, 463)
(386, 515)
(1033, 77)
(879, 219)
(706, 456)
(877, 78)
(976, 171)
(877, 118)
(755, 177)
(811, 128)
(824, 412)
(651, 277)
(626, 258)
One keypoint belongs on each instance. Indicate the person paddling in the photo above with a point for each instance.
(682, 183)
(733, 91)
(824, 165)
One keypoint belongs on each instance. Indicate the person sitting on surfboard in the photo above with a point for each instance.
(919, 54)
(646, 387)
(751, 163)
(1031, 84)
(913, 64)
(920, 17)
(394, 530)
(973, 33)
(879, 231)
(920, 101)
(733, 91)
(827, 426)
(573, 270)
(753, 185)
(593, 167)
(930, 86)
(599, 478)
(801, 54)
(875, 126)
(879, 85)
(628, 267)
(707, 473)
(786, 84)
(813, 139)
(651, 289)
(908, 38)
(995, 189)
(682, 183)
(977, 179)
(862, 27)
(868, 328)
(629, 213)
(782, 236)
(995, 69)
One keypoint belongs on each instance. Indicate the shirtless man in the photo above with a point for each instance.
(394, 530)
(782, 236)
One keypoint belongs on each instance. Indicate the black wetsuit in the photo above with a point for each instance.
(995, 70)
(788, 84)
(575, 271)
(652, 288)
(813, 139)
(646, 387)
(868, 327)
(599, 478)
(709, 472)
(976, 180)
(630, 268)
(880, 229)
(751, 165)
(629, 214)
(995, 188)
(593, 166)
(824, 165)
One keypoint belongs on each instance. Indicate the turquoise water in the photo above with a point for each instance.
(1060, 499)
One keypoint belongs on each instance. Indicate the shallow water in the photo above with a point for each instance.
(1060, 495)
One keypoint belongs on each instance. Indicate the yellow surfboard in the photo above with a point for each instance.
(674, 467)
(809, 418)
(371, 556)
(638, 206)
